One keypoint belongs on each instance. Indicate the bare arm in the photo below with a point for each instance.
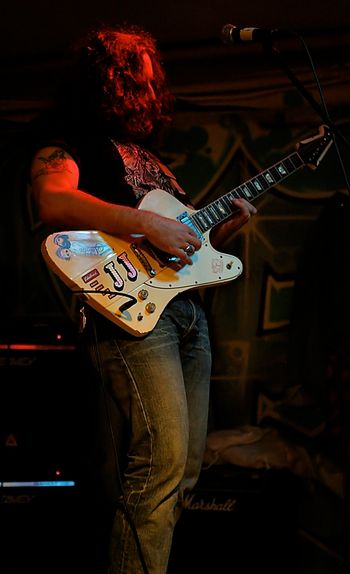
(55, 188)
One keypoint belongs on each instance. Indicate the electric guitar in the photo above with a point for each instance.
(130, 282)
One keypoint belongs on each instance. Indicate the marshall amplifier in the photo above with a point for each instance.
(237, 520)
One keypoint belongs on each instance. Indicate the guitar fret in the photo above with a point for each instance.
(251, 188)
(227, 203)
(275, 174)
(288, 164)
(220, 214)
(213, 212)
(281, 170)
(221, 208)
(262, 181)
(257, 184)
(269, 177)
(245, 191)
(207, 215)
(198, 221)
(204, 220)
(296, 160)
(231, 195)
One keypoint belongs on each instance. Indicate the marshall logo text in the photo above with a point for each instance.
(191, 503)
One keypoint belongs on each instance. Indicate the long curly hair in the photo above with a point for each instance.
(108, 85)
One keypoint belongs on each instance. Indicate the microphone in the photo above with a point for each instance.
(233, 35)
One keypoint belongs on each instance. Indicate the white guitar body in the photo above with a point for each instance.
(124, 278)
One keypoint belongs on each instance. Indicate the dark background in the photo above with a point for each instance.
(41, 28)
(49, 419)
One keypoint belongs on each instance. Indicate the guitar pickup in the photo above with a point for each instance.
(160, 256)
(187, 220)
(143, 260)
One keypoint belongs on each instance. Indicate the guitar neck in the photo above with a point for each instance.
(221, 208)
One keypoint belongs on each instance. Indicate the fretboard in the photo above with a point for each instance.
(221, 208)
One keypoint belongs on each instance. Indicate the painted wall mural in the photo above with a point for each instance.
(212, 152)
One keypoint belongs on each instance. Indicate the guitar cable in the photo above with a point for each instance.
(123, 307)
(124, 505)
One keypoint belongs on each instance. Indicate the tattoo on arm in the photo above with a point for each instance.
(56, 162)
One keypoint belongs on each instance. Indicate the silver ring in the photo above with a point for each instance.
(189, 249)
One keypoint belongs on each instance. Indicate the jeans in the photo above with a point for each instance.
(160, 385)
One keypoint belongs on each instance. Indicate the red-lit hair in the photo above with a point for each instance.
(110, 86)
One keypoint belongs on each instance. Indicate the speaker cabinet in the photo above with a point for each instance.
(237, 520)
(48, 509)
(40, 416)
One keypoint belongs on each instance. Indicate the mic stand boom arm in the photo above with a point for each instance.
(276, 54)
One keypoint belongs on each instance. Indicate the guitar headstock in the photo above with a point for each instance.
(312, 150)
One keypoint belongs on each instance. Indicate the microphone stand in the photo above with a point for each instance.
(276, 55)
(322, 112)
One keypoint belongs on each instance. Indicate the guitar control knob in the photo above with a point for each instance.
(143, 294)
(150, 307)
